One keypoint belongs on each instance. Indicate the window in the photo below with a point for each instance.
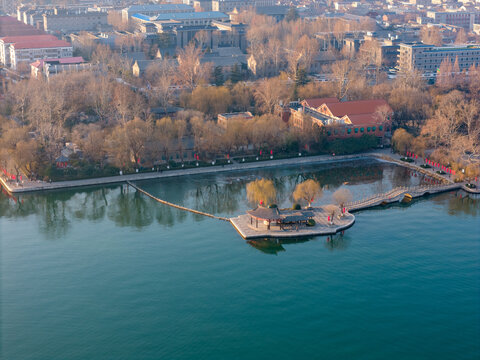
(349, 131)
(368, 129)
(374, 128)
(356, 130)
(362, 129)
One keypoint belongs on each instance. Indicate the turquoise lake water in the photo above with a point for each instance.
(106, 273)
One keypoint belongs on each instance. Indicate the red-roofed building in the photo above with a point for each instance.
(6, 41)
(29, 51)
(343, 119)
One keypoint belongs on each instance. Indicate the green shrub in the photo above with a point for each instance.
(296, 207)
(311, 222)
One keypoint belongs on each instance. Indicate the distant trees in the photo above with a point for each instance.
(161, 78)
(269, 92)
(431, 35)
(190, 70)
(211, 100)
(261, 192)
(307, 192)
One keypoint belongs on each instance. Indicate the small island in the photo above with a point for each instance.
(270, 221)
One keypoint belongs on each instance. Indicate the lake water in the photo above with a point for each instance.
(107, 273)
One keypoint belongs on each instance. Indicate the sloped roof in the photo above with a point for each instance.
(359, 107)
(41, 44)
(317, 102)
(26, 38)
(265, 213)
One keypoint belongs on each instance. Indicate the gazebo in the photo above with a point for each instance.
(264, 214)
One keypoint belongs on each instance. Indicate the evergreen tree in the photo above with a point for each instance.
(301, 77)
(236, 74)
(292, 14)
(218, 76)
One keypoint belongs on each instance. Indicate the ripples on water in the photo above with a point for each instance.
(105, 273)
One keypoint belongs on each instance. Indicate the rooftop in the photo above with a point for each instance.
(192, 16)
(159, 7)
(26, 38)
(358, 107)
(41, 44)
(64, 61)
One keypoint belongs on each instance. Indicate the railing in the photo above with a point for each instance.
(175, 205)
(398, 192)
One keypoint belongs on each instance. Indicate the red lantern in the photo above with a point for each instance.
(260, 152)
(271, 152)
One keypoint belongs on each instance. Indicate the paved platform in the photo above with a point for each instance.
(322, 227)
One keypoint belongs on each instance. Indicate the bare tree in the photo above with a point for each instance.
(190, 70)
(342, 196)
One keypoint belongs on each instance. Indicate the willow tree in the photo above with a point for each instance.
(261, 191)
(307, 192)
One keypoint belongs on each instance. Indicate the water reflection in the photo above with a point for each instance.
(275, 245)
(223, 194)
(340, 241)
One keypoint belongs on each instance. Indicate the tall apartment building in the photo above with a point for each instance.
(458, 18)
(75, 21)
(427, 58)
(30, 51)
(155, 9)
(229, 5)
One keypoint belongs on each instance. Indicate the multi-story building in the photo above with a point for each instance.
(29, 51)
(458, 18)
(194, 18)
(427, 58)
(230, 5)
(155, 9)
(67, 21)
(6, 41)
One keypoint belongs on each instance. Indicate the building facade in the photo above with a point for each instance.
(427, 58)
(74, 22)
(458, 18)
(342, 119)
(6, 41)
(28, 52)
(155, 9)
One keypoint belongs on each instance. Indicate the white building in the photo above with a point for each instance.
(6, 41)
(31, 51)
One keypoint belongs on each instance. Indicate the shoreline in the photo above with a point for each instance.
(378, 155)
(118, 179)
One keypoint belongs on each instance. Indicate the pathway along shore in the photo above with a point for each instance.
(34, 186)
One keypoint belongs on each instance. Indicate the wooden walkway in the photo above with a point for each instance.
(175, 205)
(398, 194)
